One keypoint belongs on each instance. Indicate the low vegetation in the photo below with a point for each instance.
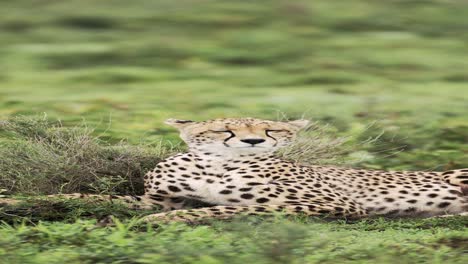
(248, 240)
(40, 156)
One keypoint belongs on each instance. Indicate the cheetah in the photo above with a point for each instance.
(231, 164)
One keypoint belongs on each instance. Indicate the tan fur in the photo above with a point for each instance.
(230, 164)
(244, 179)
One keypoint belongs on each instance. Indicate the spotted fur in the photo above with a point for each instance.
(230, 164)
(224, 168)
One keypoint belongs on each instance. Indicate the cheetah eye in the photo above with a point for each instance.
(220, 131)
(275, 130)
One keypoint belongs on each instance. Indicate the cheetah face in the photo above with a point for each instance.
(237, 135)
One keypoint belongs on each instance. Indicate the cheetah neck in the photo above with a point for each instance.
(219, 162)
(229, 155)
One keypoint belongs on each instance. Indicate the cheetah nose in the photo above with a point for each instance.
(253, 141)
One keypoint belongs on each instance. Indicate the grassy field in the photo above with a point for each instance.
(123, 67)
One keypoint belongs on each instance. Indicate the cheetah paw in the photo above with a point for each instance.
(165, 218)
(451, 215)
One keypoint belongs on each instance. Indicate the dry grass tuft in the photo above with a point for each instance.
(319, 144)
(43, 157)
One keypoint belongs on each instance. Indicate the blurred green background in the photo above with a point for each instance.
(125, 66)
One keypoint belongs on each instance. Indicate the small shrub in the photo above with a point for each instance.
(43, 157)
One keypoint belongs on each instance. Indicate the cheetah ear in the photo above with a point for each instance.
(299, 124)
(178, 123)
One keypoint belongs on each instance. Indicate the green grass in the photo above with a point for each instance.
(243, 241)
(124, 67)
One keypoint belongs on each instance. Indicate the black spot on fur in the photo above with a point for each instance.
(448, 172)
(254, 183)
(262, 200)
(443, 205)
(246, 196)
(173, 188)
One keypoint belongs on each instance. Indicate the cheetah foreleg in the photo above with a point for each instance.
(132, 202)
(227, 212)
(451, 215)
(166, 203)
(145, 202)
(9, 202)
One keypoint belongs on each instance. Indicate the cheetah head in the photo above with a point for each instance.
(237, 135)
